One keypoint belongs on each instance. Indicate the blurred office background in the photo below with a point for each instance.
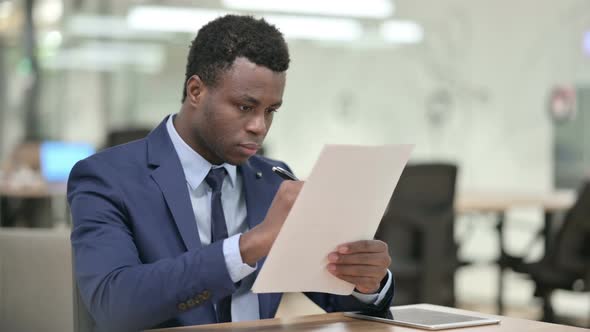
(498, 89)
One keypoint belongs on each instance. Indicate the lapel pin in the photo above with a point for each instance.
(259, 175)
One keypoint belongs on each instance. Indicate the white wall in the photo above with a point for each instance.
(497, 60)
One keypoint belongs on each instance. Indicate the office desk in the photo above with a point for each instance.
(498, 203)
(44, 191)
(336, 322)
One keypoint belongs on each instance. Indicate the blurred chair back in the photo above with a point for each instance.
(35, 280)
(572, 243)
(83, 321)
(567, 262)
(125, 135)
(418, 227)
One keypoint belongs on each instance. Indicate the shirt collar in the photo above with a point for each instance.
(194, 165)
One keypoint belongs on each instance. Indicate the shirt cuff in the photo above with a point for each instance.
(377, 297)
(236, 267)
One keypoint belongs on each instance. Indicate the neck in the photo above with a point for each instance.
(182, 127)
(182, 124)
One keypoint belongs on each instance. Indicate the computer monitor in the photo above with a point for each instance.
(57, 158)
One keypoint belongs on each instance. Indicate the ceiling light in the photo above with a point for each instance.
(402, 32)
(5, 9)
(169, 19)
(352, 8)
(108, 56)
(313, 28)
(48, 11)
(87, 25)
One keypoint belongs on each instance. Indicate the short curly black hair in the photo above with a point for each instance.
(221, 41)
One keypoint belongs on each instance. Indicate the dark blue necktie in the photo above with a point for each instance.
(218, 231)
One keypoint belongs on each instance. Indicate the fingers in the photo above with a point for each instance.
(363, 246)
(377, 259)
(363, 284)
(369, 271)
(362, 253)
(362, 263)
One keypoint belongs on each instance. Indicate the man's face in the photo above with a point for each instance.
(230, 120)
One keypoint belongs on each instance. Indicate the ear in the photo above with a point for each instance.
(195, 88)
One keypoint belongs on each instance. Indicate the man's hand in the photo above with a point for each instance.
(362, 263)
(257, 242)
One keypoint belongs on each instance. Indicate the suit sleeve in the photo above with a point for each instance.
(122, 293)
(338, 303)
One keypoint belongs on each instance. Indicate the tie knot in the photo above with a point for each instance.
(215, 178)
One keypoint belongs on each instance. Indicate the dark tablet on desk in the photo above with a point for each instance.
(428, 319)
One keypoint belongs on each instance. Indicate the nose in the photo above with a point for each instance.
(257, 125)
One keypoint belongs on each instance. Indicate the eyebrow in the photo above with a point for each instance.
(256, 102)
(250, 99)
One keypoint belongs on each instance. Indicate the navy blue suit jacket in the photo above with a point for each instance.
(138, 259)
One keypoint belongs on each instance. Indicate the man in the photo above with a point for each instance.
(171, 230)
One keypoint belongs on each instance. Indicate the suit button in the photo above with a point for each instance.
(182, 306)
(197, 300)
(206, 294)
(190, 303)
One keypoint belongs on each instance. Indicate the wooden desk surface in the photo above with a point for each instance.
(45, 190)
(337, 322)
(490, 201)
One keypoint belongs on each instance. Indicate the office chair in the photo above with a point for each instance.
(35, 283)
(567, 263)
(418, 227)
(125, 135)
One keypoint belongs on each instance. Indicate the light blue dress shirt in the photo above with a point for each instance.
(244, 303)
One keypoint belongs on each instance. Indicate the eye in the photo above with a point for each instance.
(245, 108)
(271, 110)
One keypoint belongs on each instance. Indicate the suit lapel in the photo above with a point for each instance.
(254, 193)
(259, 195)
(169, 176)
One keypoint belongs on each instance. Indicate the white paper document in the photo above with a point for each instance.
(343, 200)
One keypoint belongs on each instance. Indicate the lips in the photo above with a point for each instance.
(250, 148)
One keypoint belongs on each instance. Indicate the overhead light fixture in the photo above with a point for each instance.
(88, 25)
(170, 19)
(402, 32)
(175, 19)
(349, 8)
(108, 56)
(48, 11)
(6, 8)
(314, 28)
